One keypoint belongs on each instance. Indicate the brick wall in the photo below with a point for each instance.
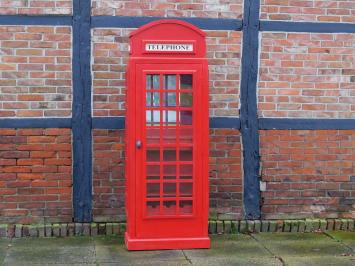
(308, 173)
(307, 75)
(35, 175)
(226, 182)
(35, 78)
(108, 175)
(169, 8)
(35, 7)
(310, 10)
(110, 55)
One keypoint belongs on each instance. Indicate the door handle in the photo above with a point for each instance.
(138, 144)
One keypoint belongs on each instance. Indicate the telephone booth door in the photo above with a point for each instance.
(168, 140)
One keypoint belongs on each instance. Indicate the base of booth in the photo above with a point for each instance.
(166, 243)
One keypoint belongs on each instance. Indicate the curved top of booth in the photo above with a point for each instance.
(166, 38)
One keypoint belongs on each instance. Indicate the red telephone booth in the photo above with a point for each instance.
(167, 138)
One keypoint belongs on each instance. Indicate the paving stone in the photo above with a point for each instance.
(18, 230)
(32, 229)
(115, 228)
(348, 238)
(236, 261)
(319, 261)
(227, 227)
(287, 226)
(86, 229)
(3, 248)
(111, 249)
(323, 225)
(64, 230)
(212, 227)
(250, 226)
(46, 251)
(243, 227)
(93, 229)
(236, 246)
(41, 230)
(3, 230)
(264, 226)
(294, 225)
(235, 227)
(219, 227)
(109, 229)
(257, 226)
(272, 226)
(56, 230)
(302, 226)
(48, 229)
(296, 244)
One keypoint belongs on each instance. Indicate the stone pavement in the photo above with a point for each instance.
(330, 248)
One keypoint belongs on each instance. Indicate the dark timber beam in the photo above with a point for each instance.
(316, 27)
(81, 120)
(136, 22)
(54, 20)
(302, 123)
(248, 111)
(35, 123)
(119, 122)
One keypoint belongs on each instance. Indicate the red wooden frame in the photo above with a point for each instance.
(166, 226)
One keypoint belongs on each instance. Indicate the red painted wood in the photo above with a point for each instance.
(166, 205)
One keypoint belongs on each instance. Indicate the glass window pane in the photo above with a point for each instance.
(153, 170)
(152, 82)
(152, 117)
(169, 171)
(186, 135)
(154, 177)
(152, 99)
(169, 189)
(169, 155)
(153, 155)
(169, 135)
(153, 190)
(186, 170)
(153, 135)
(153, 208)
(170, 82)
(186, 154)
(169, 207)
(170, 99)
(169, 117)
(186, 99)
(186, 82)
(186, 189)
(186, 117)
(185, 206)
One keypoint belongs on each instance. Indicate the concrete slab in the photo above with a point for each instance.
(4, 245)
(301, 245)
(319, 261)
(348, 238)
(47, 251)
(239, 246)
(112, 250)
(236, 261)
